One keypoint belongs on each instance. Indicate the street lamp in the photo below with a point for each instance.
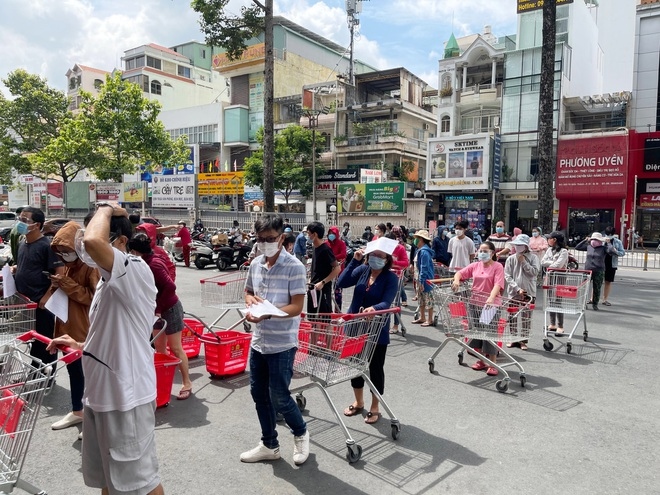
(313, 116)
(417, 193)
(333, 214)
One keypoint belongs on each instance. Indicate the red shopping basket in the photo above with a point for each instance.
(165, 369)
(228, 356)
(189, 341)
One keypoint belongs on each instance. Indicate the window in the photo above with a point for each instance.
(203, 53)
(153, 62)
(134, 63)
(98, 83)
(155, 87)
(183, 71)
(141, 80)
(72, 83)
(445, 123)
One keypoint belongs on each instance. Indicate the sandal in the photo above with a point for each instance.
(418, 321)
(394, 330)
(184, 394)
(372, 417)
(607, 303)
(414, 298)
(559, 332)
(404, 303)
(353, 410)
(492, 371)
(523, 346)
(426, 324)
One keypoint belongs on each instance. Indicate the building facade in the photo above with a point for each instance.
(82, 77)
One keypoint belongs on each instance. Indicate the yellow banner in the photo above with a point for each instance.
(220, 183)
(134, 192)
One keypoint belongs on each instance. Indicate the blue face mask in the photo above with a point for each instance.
(377, 263)
(483, 256)
(22, 228)
(332, 237)
(499, 230)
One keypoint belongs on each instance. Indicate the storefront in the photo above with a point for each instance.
(471, 207)
(591, 182)
(648, 211)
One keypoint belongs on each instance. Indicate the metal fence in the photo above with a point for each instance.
(632, 259)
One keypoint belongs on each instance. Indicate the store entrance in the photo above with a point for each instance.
(648, 226)
(585, 221)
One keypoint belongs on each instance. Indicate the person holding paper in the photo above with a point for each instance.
(34, 258)
(375, 290)
(487, 285)
(79, 283)
(279, 278)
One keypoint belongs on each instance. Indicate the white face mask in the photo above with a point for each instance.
(69, 257)
(269, 249)
(520, 249)
(459, 232)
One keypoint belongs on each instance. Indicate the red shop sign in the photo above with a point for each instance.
(649, 200)
(594, 167)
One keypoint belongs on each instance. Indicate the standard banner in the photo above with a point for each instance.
(371, 198)
(220, 183)
(173, 191)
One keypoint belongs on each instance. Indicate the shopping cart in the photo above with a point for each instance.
(17, 316)
(443, 276)
(23, 384)
(335, 348)
(401, 275)
(565, 292)
(464, 317)
(225, 292)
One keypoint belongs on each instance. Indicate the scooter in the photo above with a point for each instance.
(174, 247)
(201, 254)
(236, 254)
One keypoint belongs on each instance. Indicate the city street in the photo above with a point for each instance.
(585, 423)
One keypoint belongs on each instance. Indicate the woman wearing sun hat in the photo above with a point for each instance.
(596, 246)
(422, 241)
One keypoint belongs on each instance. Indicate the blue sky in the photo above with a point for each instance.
(48, 37)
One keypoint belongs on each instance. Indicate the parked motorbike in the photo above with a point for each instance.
(201, 254)
(235, 254)
(573, 263)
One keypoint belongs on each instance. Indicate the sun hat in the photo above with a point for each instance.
(521, 240)
(424, 234)
(598, 237)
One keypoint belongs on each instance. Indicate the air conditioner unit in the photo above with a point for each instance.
(426, 127)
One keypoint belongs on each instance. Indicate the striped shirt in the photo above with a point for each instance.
(286, 278)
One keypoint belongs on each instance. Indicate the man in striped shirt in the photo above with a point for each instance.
(278, 277)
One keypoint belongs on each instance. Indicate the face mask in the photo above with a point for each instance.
(376, 232)
(415, 240)
(269, 249)
(520, 249)
(444, 233)
(483, 256)
(69, 257)
(22, 228)
(377, 263)
(459, 233)
(535, 234)
(595, 243)
(79, 244)
(332, 237)
(499, 230)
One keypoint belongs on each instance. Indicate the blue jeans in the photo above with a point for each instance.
(270, 377)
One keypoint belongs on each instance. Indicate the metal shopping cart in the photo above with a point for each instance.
(17, 316)
(23, 384)
(401, 275)
(465, 317)
(565, 292)
(225, 292)
(443, 274)
(335, 348)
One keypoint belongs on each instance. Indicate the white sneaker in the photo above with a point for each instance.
(68, 420)
(301, 448)
(80, 436)
(261, 453)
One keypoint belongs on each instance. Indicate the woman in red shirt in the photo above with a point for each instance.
(338, 247)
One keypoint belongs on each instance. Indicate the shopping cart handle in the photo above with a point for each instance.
(439, 280)
(70, 355)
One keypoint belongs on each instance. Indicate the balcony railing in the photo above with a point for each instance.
(480, 92)
(382, 139)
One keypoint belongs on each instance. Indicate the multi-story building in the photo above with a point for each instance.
(178, 77)
(81, 77)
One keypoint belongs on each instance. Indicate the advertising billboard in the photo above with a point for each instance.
(592, 167)
(458, 164)
(173, 191)
(529, 5)
(134, 192)
(386, 197)
(220, 183)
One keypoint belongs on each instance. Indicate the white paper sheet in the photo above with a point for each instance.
(264, 308)
(58, 304)
(488, 314)
(8, 283)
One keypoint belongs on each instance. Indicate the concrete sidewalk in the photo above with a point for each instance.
(586, 422)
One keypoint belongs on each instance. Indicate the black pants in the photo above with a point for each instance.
(324, 301)
(376, 369)
(45, 325)
(77, 383)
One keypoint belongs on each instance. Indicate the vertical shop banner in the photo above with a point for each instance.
(371, 198)
(592, 167)
(458, 164)
(371, 176)
(134, 192)
(220, 183)
(173, 191)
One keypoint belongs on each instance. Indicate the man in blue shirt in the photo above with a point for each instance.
(300, 247)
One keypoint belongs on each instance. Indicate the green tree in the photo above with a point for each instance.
(546, 116)
(116, 132)
(292, 163)
(29, 122)
(231, 32)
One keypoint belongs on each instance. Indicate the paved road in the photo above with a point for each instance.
(586, 422)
